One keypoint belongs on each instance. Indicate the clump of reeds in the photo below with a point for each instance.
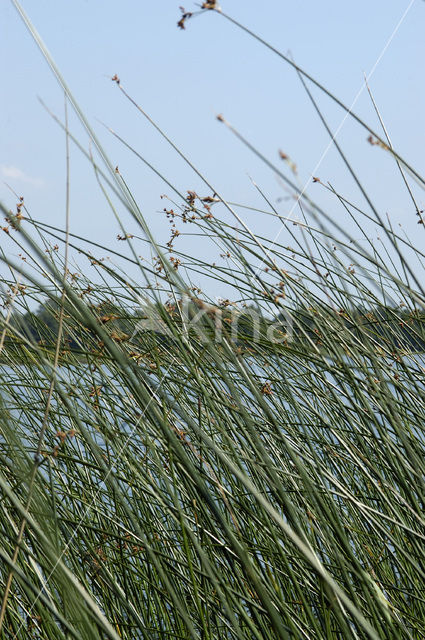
(177, 468)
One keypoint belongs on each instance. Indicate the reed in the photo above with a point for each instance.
(178, 467)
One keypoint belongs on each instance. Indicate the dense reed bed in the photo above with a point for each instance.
(178, 467)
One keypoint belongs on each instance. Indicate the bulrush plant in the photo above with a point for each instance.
(174, 466)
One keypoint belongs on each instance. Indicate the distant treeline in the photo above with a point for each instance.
(392, 327)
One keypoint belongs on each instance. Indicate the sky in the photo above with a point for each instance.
(183, 79)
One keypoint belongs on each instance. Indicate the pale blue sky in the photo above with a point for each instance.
(184, 78)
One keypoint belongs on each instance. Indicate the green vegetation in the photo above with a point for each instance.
(393, 327)
(250, 469)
